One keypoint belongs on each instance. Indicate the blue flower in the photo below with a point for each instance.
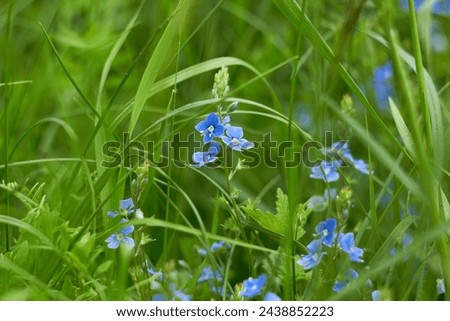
(209, 275)
(341, 151)
(202, 158)
(349, 275)
(313, 258)
(326, 171)
(361, 166)
(210, 127)
(317, 203)
(215, 247)
(234, 139)
(382, 83)
(270, 296)
(326, 231)
(126, 207)
(158, 297)
(226, 121)
(158, 275)
(219, 245)
(252, 287)
(179, 295)
(347, 244)
(121, 237)
(376, 295)
(406, 241)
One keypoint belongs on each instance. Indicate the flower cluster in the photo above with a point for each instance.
(326, 231)
(340, 153)
(126, 211)
(217, 126)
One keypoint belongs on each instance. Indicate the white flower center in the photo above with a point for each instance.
(211, 128)
(235, 141)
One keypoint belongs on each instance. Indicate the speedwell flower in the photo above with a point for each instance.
(126, 208)
(234, 139)
(209, 275)
(313, 258)
(326, 171)
(210, 127)
(347, 244)
(202, 158)
(326, 231)
(121, 237)
(252, 287)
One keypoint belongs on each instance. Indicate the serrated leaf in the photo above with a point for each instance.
(273, 222)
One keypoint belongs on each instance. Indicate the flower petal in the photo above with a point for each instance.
(235, 132)
(129, 242)
(126, 204)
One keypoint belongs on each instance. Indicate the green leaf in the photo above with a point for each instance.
(403, 130)
(272, 222)
(163, 53)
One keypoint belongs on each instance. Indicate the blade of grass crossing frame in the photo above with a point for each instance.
(164, 51)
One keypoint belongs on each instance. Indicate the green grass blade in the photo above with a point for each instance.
(164, 52)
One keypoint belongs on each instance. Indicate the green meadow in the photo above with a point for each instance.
(224, 150)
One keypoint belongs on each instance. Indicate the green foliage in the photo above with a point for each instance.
(75, 75)
(279, 221)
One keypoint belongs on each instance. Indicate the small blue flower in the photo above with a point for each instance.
(158, 274)
(210, 127)
(313, 258)
(215, 247)
(270, 296)
(203, 158)
(179, 295)
(121, 237)
(219, 245)
(252, 287)
(441, 7)
(209, 275)
(226, 121)
(382, 83)
(361, 166)
(347, 244)
(349, 276)
(376, 295)
(326, 171)
(406, 241)
(234, 139)
(126, 207)
(326, 231)
(158, 297)
(341, 152)
(317, 203)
